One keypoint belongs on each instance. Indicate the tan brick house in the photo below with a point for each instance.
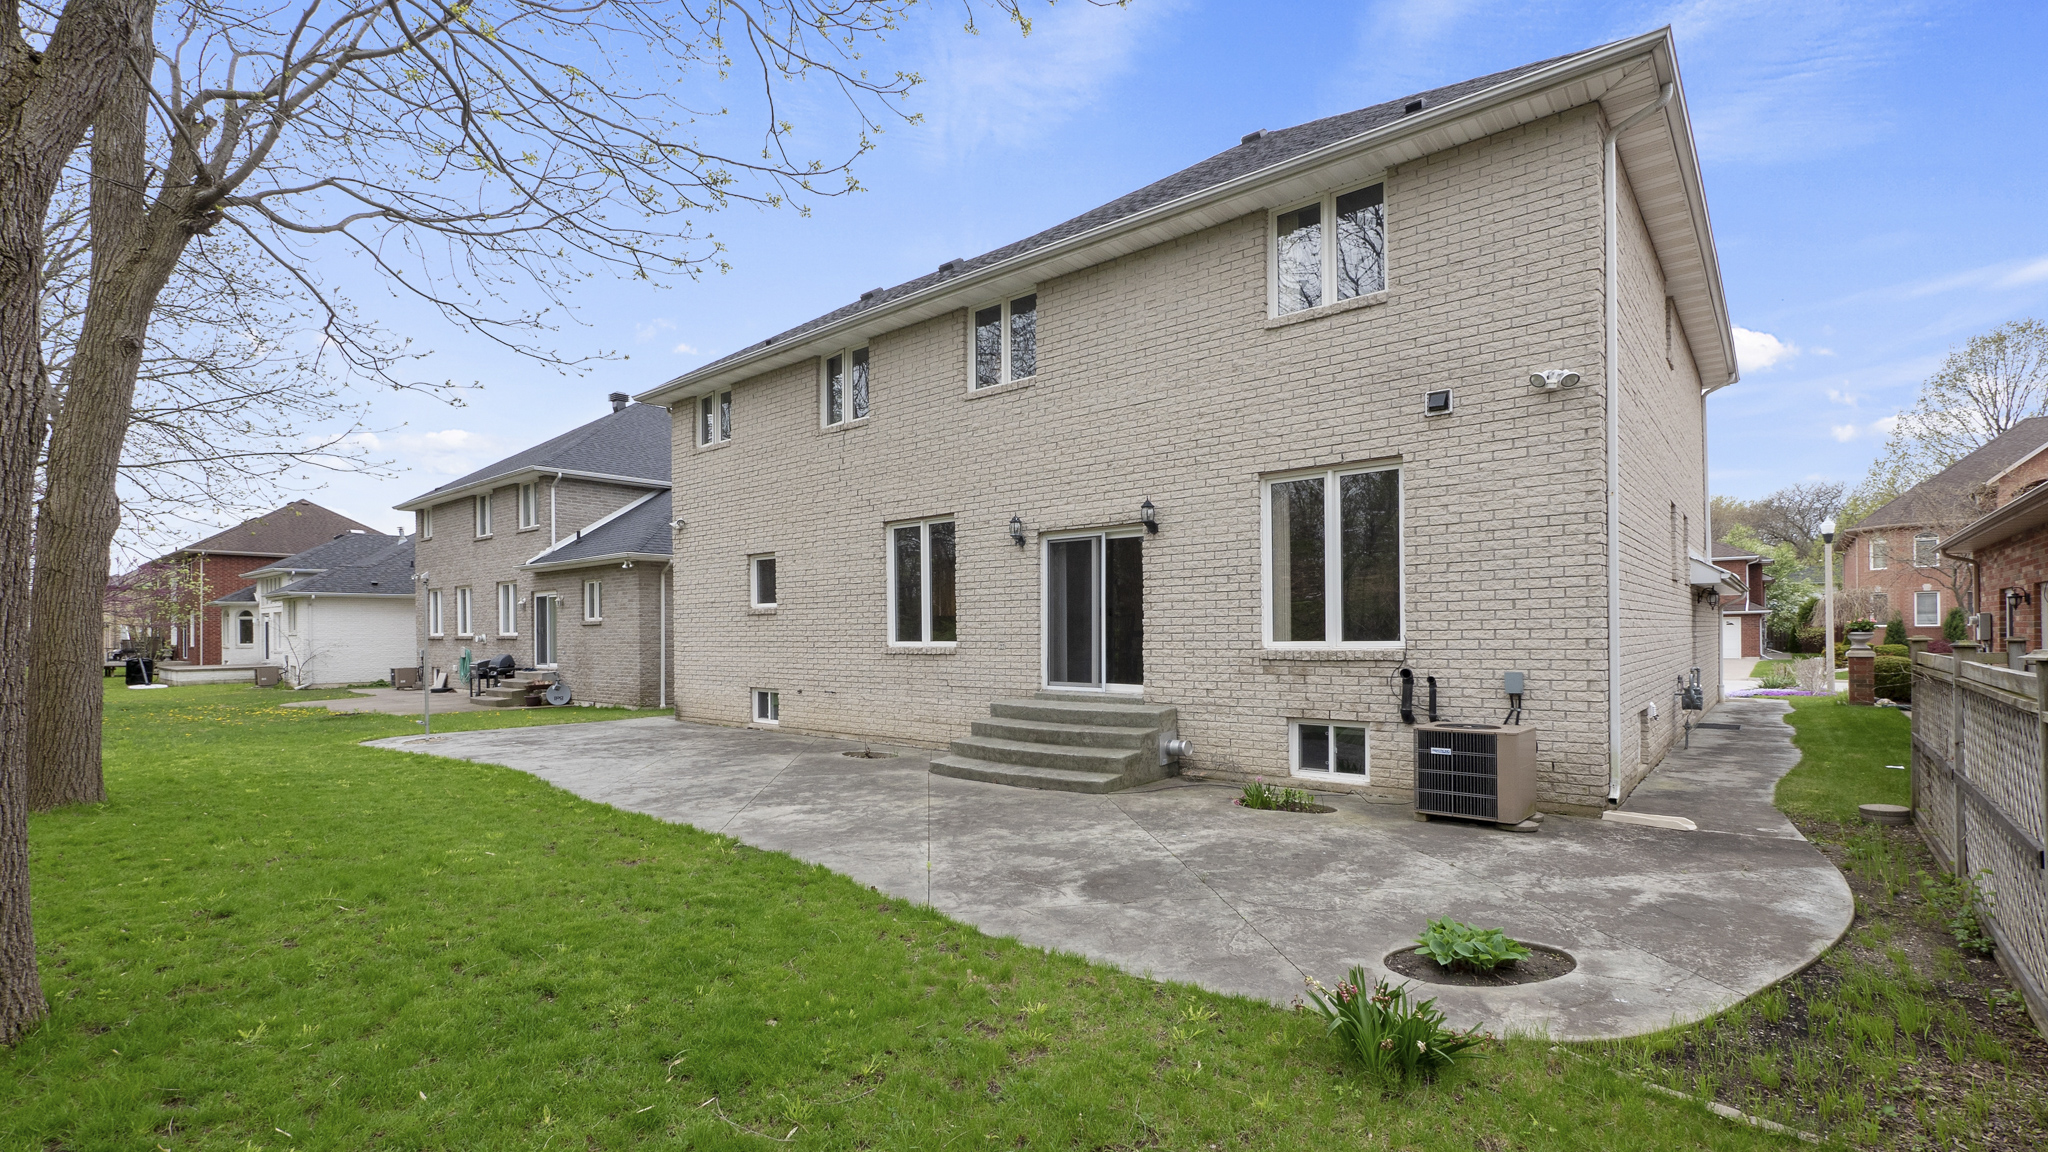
(557, 556)
(1246, 451)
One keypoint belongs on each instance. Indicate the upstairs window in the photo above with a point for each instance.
(483, 515)
(1330, 250)
(529, 506)
(1333, 558)
(921, 606)
(764, 581)
(846, 387)
(714, 418)
(1880, 553)
(1926, 554)
(1006, 341)
(426, 527)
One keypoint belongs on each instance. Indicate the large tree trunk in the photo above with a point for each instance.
(46, 101)
(134, 252)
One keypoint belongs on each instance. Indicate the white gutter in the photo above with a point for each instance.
(1611, 213)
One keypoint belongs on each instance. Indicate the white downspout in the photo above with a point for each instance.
(661, 602)
(1611, 211)
(552, 485)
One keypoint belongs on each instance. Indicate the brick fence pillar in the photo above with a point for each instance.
(1862, 669)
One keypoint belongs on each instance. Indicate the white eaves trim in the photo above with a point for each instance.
(522, 476)
(540, 559)
(606, 560)
(288, 594)
(1584, 78)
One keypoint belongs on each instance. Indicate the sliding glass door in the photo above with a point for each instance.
(1095, 611)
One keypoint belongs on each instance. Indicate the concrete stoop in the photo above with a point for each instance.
(503, 696)
(1067, 743)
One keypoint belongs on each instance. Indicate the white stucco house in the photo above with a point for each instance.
(338, 613)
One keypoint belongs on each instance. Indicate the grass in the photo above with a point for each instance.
(271, 937)
(1843, 750)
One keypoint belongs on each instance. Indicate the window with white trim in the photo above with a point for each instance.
(767, 706)
(1333, 558)
(844, 394)
(529, 507)
(761, 577)
(245, 628)
(1880, 553)
(426, 525)
(433, 613)
(462, 613)
(482, 513)
(593, 601)
(1880, 603)
(1332, 249)
(1330, 750)
(291, 615)
(921, 569)
(508, 609)
(714, 418)
(1926, 551)
(1006, 341)
(1926, 609)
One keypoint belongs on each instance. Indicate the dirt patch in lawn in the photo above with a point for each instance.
(1542, 964)
(1905, 1035)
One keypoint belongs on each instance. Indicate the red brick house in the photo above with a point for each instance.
(1900, 553)
(1742, 620)
(168, 596)
(2008, 553)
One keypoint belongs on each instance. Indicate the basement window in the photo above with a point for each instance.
(1330, 750)
(767, 706)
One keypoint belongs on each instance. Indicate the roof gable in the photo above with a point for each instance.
(284, 531)
(643, 529)
(1947, 496)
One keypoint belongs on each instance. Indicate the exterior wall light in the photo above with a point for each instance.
(1017, 531)
(1150, 515)
(1551, 379)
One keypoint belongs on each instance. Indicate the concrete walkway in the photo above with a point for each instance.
(1174, 881)
(396, 702)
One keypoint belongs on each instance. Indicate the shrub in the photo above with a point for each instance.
(1453, 944)
(1261, 795)
(1394, 1036)
(1779, 676)
(1894, 676)
(1892, 650)
(1809, 640)
(1940, 647)
(1895, 630)
(1814, 676)
(1956, 626)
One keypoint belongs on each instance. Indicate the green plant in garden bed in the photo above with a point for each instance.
(1396, 1036)
(1261, 795)
(1454, 944)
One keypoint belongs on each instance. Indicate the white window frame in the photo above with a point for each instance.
(433, 614)
(1328, 203)
(239, 617)
(480, 509)
(529, 507)
(1333, 568)
(712, 413)
(1880, 553)
(845, 358)
(754, 580)
(593, 601)
(426, 524)
(552, 633)
(1935, 541)
(1936, 622)
(508, 609)
(1294, 757)
(464, 613)
(767, 705)
(1004, 376)
(924, 572)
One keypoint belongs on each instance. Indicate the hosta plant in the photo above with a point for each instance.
(1394, 1035)
(1452, 945)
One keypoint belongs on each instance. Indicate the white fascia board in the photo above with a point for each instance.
(281, 594)
(522, 476)
(1251, 192)
(608, 560)
(541, 557)
(1682, 142)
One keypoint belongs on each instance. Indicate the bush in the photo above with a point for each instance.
(1777, 676)
(1894, 676)
(1956, 626)
(1940, 647)
(1814, 677)
(1453, 944)
(1809, 640)
(1889, 649)
(1895, 631)
(1393, 1036)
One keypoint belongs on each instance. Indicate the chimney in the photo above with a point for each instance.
(619, 400)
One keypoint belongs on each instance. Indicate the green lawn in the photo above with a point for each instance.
(1843, 751)
(273, 938)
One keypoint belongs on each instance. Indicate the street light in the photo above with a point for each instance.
(1827, 562)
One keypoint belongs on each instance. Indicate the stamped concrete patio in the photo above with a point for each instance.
(1173, 880)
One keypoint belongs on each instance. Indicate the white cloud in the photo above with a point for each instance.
(1840, 397)
(446, 452)
(651, 329)
(1843, 432)
(1755, 351)
(1875, 430)
(685, 350)
(2026, 274)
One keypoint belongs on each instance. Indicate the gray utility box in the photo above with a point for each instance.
(1476, 771)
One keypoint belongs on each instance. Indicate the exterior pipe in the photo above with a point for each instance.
(1611, 211)
(661, 604)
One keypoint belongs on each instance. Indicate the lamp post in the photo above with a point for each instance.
(1827, 565)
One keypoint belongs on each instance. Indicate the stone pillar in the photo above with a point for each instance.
(1917, 646)
(1966, 652)
(1862, 669)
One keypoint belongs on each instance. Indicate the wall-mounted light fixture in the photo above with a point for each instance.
(1551, 379)
(1017, 531)
(677, 524)
(1149, 514)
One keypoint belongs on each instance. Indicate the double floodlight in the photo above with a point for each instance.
(1551, 379)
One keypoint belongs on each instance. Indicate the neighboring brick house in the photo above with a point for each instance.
(1307, 361)
(1896, 553)
(551, 556)
(338, 613)
(1743, 615)
(2008, 553)
(170, 596)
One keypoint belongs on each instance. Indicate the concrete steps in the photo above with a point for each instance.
(1065, 742)
(503, 696)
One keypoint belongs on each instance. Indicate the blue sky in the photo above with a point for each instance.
(1876, 175)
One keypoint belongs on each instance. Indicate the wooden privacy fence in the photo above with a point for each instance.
(1980, 796)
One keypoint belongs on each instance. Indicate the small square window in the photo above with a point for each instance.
(1337, 751)
(1437, 403)
(767, 706)
(764, 581)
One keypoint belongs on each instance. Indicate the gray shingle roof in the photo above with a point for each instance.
(645, 529)
(347, 548)
(631, 442)
(239, 596)
(1268, 149)
(387, 572)
(295, 527)
(1945, 497)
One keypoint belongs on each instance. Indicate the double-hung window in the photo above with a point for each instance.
(846, 387)
(1880, 553)
(508, 609)
(593, 601)
(1006, 341)
(426, 527)
(529, 506)
(483, 515)
(1337, 751)
(1333, 558)
(1926, 609)
(763, 580)
(462, 612)
(1926, 551)
(433, 613)
(1332, 249)
(921, 606)
(714, 418)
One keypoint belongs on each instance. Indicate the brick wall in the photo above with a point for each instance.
(1899, 580)
(2020, 564)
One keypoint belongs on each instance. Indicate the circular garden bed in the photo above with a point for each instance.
(1542, 964)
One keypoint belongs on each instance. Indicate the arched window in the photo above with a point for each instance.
(245, 628)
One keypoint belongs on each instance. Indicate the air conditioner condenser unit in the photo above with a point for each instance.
(1476, 771)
